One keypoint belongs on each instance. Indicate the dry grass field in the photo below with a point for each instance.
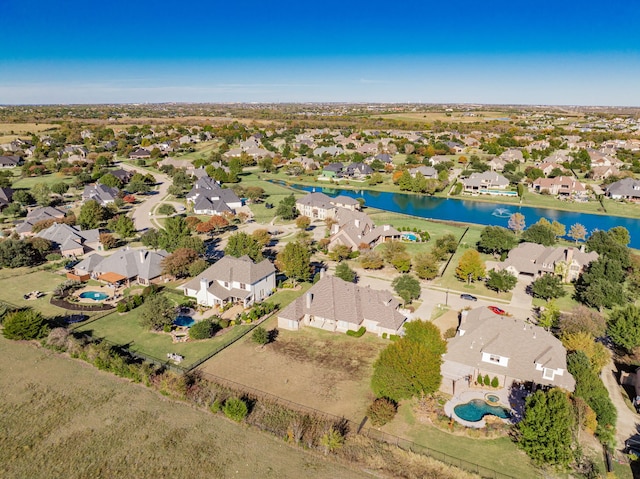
(61, 418)
(11, 131)
(327, 371)
(453, 117)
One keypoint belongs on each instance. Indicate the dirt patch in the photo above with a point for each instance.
(325, 371)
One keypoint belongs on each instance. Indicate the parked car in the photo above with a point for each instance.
(497, 310)
(468, 297)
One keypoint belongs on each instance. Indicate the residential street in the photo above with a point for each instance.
(142, 217)
(628, 422)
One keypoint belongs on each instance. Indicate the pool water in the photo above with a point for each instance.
(409, 236)
(95, 295)
(186, 321)
(476, 409)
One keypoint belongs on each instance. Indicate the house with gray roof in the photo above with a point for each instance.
(71, 240)
(36, 215)
(10, 161)
(103, 194)
(319, 206)
(233, 280)
(328, 150)
(357, 170)
(512, 154)
(6, 197)
(338, 306)
(488, 182)
(505, 347)
(560, 186)
(332, 170)
(624, 189)
(209, 198)
(534, 260)
(428, 172)
(124, 266)
(140, 154)
(356, 230)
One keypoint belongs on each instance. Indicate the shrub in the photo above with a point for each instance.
(479, 380)
(235, 409)
(53, 256)
(150, 290)
(202, 329)
(486, 381)
(215, 406)
(24, 324)
(384, 335)
(394, 337)
(381, 411)
(167, 328)
(450, 333)
(495, 382)
(223, 323)
(260, 335)
(357, 334)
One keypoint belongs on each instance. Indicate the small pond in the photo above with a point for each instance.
(476, 409)
(95, 295)
(186, 321)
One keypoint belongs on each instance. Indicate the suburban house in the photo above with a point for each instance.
(356, 230)
(140, 154)
(209, 198)
(332, 170)
(186, 164)
(36, 215)
(10, 161)
(71, 240)
(335, 305)
(233, 280)
(512, 154)
(603, 172)
(123, 175)
(497, 164)
(103, 194)
(428, 172)
(357, 170)
(124, 266)
(625, 189)
(504, 347)
(320, 206)
(328, 150)
(560, 185)
(534, 260)
(484, 182)
(6, 197)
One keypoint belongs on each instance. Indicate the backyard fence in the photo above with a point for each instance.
(454, 253)
(357, 428)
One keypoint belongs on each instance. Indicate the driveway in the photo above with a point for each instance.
(142, 213)
(628, 422)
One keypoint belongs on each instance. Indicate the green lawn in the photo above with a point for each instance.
(15, 283)
(286, 296)
(499, 454)
(566, 303)
(203, 150)
(274, 193)
(124, 329)
(51, 179)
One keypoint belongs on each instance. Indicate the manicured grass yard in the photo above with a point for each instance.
(15, 283)
(274, 193)
(125, 329)
(50, 179)
(566, 303)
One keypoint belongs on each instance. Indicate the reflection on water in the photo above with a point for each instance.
(478, 212)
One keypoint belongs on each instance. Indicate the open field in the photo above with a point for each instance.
(60, 418)
(449, 117)
(11, 131)
(326, 371)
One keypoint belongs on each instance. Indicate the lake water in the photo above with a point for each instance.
(478, 212)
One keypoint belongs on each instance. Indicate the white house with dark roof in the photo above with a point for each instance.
(209, 198)
(504, 347)
(338, 306)
(71, 240)
(319, 206)
(233, 280)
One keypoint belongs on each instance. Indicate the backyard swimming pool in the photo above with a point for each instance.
(95, 295)
(410, 236)
(476, 409)
(186, 321)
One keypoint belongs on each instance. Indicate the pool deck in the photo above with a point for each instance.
(475, 393)
(95, 289)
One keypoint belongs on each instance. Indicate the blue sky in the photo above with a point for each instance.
(535, 52)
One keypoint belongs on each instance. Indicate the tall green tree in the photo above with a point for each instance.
(240, 244)
(496, 240)
(410, 366)
(295, 261)
(123, 225)
(24, 324)
(426, 266)
(158, 311)
(92, 214)
(345, 273)
(470, 267)
(42, 194)
(287, 208)
(624, 327)
(545, 430)
(407, 287)
(539, 234)
(501, 280)
(548, 286)
(175, 230)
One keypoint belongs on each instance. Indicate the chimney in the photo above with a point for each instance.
(309, 297)
(204, 283)
(569, 255)
(386, 227)
(322, 270)
(357, 223)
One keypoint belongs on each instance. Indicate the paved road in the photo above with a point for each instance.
(141, 213)
(628, 422)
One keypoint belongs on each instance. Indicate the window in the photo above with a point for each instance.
(226, 284)
(548, 373)
(243, 286)
(494, 359)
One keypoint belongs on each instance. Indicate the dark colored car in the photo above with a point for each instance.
(497, 310)
(468, 297)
